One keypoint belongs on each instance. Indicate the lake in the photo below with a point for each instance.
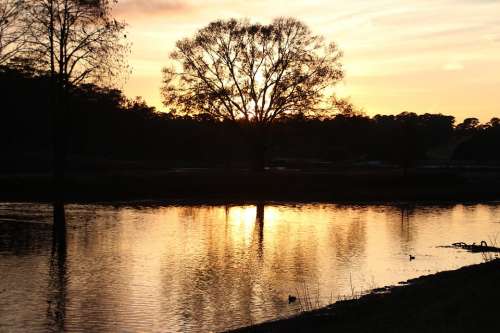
(182, 268)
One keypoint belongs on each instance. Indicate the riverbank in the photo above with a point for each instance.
(348, 185)
(464, 300)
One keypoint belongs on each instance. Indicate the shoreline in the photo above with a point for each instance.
(219, 185)
(198, 202)
(461, 300)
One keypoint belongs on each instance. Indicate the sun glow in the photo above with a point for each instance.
(398, 55)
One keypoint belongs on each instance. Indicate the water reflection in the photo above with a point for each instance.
(259, 229)
(202, 268)
(57, 291)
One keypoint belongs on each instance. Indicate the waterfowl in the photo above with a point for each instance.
(412, 257)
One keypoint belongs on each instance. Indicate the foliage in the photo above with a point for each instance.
(104, 124)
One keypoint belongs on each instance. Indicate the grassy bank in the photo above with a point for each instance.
(214, 184)
(465, 300)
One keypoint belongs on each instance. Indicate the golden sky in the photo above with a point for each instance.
(437, 56)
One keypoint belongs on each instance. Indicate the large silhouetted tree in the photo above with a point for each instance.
(243, 72)
(11, 31)
(74, 41)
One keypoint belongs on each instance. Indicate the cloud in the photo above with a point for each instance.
(453, 66)
(151, 7)
(418, 43)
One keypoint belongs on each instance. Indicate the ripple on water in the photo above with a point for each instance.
(201, 268)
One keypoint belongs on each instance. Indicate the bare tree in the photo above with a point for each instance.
(75, 41)
(243, 72)
(237, 70)
(11, 32)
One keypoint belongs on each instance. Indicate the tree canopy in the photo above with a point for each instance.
(237, 70)
(77, 41)
(11, 35)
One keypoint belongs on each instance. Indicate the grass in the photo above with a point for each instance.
(307, 300)
(489, 255)
(310, 300)
(464, 300)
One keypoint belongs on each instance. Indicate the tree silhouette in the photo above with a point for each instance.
(252, 73)
(468, 126)
(102, 119)
(494, 122)
(480, 142)
(11, 34)
(75, 41)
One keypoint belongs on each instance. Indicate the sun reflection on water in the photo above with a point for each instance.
(201, 268)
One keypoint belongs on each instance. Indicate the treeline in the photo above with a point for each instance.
(104, 125)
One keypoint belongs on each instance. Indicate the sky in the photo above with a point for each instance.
(422, 56)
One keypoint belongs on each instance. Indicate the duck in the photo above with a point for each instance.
(291, 299)
(412, 257)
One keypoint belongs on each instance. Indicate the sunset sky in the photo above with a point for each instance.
(437, 56)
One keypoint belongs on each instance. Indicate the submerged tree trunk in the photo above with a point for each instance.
(59, 227)
(58, 272)
(259, 228)
(260, 213)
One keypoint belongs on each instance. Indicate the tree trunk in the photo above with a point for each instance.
(59, 226)
(259, 149)
(59, 141)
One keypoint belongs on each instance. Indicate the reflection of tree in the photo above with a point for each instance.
(400, 225)
(350, 241)
(56, 311)
(259, 229)
(224, 281)
(406, 232)
(406, 213)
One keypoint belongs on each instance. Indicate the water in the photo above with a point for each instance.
(209, 268)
